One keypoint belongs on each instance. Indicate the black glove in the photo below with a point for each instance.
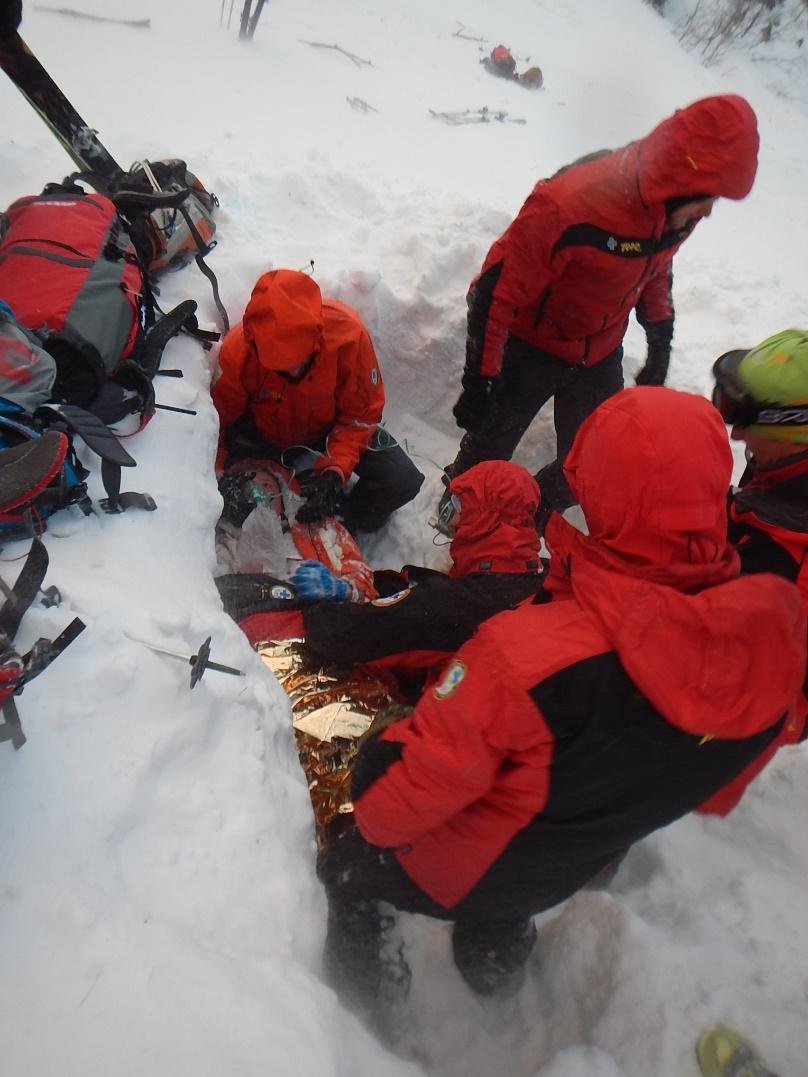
(476, 407)
(322, 492)
(659, 336)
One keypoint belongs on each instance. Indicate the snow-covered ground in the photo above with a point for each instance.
(159, 912)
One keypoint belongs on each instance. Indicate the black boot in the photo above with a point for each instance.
(491, 955)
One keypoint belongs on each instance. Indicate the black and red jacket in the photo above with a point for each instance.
(566, 730)
(590, 243)
(768, 520)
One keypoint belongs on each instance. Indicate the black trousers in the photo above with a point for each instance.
(387, 477)
(358, 878)
(529, 379)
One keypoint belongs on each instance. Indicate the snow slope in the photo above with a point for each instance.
(159, 912)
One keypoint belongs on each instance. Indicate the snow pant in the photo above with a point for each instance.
(387, 477)
(490, 954)
(529, 379)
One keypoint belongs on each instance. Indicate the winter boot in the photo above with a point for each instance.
(491, 955)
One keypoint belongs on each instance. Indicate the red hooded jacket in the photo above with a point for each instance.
(590, 243)
(341, 396)
(563, 732)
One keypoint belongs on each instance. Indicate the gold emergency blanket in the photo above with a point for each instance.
(331, 708)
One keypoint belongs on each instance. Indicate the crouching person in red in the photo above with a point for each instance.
(300, 383)
(571, 727)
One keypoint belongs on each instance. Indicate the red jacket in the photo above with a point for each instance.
(589, 244)
(341, 396)
(563, 732)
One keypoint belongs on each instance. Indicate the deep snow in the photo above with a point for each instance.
(159, 912)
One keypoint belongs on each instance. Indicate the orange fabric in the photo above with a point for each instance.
(341, 396)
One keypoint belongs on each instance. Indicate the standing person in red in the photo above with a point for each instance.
(300, 383)
(566, 730)
(550, 307)
(763, 395)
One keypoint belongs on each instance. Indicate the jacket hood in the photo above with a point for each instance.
(651, 468)
(709, 148)
(496, 531)
(284, 319)
(716, 654)
(726, 662)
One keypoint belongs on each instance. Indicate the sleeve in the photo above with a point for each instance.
(418, 625)
(655, 311)
(229, 396)
(359, 405)
(521, 277)
(424, 770)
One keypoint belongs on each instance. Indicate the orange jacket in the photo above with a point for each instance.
(341, 396)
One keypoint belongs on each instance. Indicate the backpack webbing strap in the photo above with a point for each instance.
(115, 501)
(183, 316)
(11, 729)
(44, 651)
(206, 248)
(25, 588)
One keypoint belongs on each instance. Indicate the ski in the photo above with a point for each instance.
(42, 93)
(138, 24)
(475, 115)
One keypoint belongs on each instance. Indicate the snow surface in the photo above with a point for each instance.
(159, 912)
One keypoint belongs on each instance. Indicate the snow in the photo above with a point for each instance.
(159, 911)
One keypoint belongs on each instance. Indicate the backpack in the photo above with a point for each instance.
(27, 377)
(502, 61)
(75, 268)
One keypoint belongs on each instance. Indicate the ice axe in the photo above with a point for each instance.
(198, 662)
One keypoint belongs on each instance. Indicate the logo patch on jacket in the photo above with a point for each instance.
(391, 600)
(451, 680)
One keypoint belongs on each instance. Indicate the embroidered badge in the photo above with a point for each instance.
(281, 592)
(374, 376)
(451, 680)
(391, 600)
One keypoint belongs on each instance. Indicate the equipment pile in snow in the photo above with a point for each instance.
(475, 115)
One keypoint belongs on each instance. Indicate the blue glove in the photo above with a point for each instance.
(313, 582)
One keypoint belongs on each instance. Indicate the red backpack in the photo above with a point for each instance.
(503, 61)
(59, 253)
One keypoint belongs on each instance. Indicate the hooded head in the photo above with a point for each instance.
(284, 319)
(707, 150)
(496, 530)
(651, 468)
(764, 392)
(715, 653)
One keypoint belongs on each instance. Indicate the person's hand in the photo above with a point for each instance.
(476, 407)
(314, 582)
(322, 492)
(659, 336)
(656, 365)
